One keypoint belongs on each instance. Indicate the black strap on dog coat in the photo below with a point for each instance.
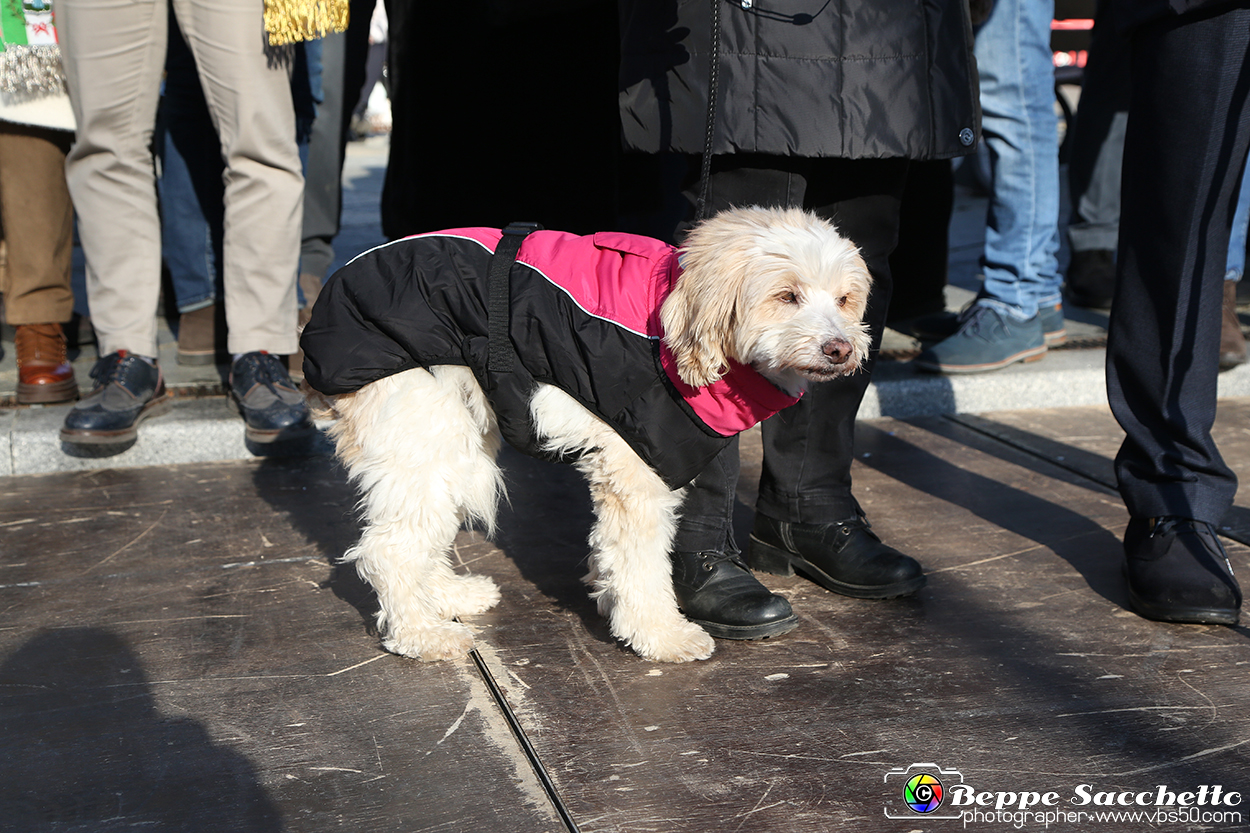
(502, 356)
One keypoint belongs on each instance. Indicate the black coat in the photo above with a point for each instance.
(857, 80)
(584, 317)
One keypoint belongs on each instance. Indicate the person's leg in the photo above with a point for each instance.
(1235, 262)
(919, 263)
(113, 64)
(808, 447)
(38, 224)
(1016, 68)
(806, 516)
(1232, 340)
(1097, 152)
(743, 179)
(247, 87)
(1020, 260)
(191, 192)
(1162, 350)
(712, 581)
(323, 175)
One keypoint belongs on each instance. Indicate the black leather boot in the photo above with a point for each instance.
(717, 592)
(845, 557)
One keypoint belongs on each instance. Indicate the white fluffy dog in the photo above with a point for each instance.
(776, 289)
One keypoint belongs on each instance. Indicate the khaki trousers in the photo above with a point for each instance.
(38, 225)
(114, 53)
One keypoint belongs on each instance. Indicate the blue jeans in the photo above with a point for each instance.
(1237, 238)
(1020, 262)
(191, 189)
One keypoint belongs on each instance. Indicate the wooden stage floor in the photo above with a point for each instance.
(178, 651)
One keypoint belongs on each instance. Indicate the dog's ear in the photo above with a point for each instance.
(700, 313)
(695, 323)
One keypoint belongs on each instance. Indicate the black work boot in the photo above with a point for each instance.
(1177, 571)
(845, 557)
(717, 592)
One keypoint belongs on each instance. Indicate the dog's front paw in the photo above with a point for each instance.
(444, 640)
(472, 595)
(681, 643)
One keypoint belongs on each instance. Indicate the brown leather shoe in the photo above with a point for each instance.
(1232, 342)
(44, 373)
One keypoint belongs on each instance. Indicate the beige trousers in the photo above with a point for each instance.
(114, 54)
(38, 225)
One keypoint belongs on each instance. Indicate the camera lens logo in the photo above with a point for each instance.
(923, 793)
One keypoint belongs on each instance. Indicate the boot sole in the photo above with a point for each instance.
(156, 407)
(291, 432)
(198, 359)
(265, 436)
(748, 633)
(1025, 356)
(65, 391)
(769, 559)
(1180, 615)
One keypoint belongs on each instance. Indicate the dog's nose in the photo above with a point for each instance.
(838, 350)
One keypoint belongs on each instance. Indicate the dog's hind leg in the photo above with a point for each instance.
(635, 521)
(419, 480)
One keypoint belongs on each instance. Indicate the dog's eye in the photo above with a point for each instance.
(842, 301)
(789, 298)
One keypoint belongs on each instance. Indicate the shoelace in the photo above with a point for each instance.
(111, 367)
(1166, 524)
(857, 522)
(711, 559)
(32, 339)
(266, 368)
(974, 319)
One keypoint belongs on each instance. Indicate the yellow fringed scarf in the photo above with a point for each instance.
(291, 21)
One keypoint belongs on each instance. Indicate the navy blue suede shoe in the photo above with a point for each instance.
(943, 325)
(127, 391)
(1177, 571)
(272, 407)
(986, 340)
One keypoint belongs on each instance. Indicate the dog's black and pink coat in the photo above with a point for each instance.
(585, 318)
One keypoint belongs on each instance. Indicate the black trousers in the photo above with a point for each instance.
(1186, 142)
(808, 447)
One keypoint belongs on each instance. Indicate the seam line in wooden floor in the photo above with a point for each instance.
(518, 732)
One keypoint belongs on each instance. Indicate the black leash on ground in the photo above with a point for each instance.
(501, 356)
(709, 130)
